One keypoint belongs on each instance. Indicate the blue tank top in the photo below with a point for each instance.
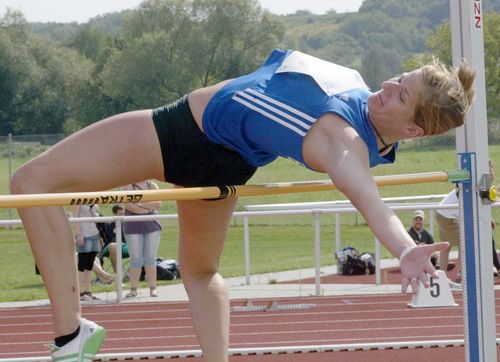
(267, 113)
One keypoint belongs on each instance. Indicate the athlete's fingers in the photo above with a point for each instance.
(414, 285)
(441, 246)
(404, 285)
(424, 278)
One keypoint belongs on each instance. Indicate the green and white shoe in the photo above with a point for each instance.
(84, 347)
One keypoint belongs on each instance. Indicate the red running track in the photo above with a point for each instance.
(153, 327)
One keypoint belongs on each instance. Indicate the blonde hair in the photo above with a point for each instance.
(446, 97)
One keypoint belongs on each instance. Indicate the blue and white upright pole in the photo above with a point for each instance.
(472, 149)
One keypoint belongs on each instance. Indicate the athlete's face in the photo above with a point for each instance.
(396, 102)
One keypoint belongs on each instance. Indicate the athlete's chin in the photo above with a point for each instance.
(372, 102)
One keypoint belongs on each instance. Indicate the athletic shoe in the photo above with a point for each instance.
(132, 294)
(92, 296)
(84, 347)
(85, 297)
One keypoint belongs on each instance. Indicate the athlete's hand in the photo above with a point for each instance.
(416, 265)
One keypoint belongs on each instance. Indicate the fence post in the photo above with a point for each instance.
(119, 258)
(9, 143)
(317, 251)
(337, 232)
(246, 238)
(432, 222)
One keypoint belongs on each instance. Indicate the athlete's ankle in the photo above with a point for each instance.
(62, 340)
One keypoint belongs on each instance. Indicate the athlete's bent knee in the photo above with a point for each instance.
(22, 181)
(32, 178)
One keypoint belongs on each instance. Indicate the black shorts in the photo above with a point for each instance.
(189, 158)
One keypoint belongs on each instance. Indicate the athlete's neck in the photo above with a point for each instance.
(386, 146)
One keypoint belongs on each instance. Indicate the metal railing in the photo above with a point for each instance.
(315, 213)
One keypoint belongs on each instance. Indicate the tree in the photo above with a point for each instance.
(13, 73)
(37, 77)
(377, 66)
(440, 44)
(44, 99)
(14, 22)
(174, 46)
(15, 65)
(89, 41)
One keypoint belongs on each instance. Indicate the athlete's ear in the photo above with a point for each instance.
(414, 131)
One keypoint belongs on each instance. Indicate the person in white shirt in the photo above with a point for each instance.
(449, 227)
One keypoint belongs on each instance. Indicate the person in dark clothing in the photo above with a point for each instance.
(419, 234)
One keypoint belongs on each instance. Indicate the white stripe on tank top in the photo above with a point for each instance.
(276, 111)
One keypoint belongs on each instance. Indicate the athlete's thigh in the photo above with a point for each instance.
(116, 151)
(203, 230)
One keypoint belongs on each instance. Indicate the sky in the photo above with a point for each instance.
(81, 11)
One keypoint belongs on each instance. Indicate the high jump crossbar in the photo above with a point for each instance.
(214, 192)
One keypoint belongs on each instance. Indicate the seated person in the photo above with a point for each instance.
(103, 277)
(109, 249)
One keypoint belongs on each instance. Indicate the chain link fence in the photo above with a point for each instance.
(17, 149)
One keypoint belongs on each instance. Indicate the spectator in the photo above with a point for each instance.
(419, 234)
(109, 249)
(449, 228)
(496, 262)
(143, 238)
(87, 246)
(103, 277)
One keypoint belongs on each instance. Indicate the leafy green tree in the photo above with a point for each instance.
(89, 41)
(44, 99)
(15, 24)
(13, 73)
(392, 8)
(440, 44)
(15, 65)
(378, 65)
(37, 78)
(341, 49)
(173, 46)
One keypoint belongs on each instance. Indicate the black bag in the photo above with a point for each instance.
(163, 273)
(165, 270)
(169, 268)
(354, 266)
(369, 260)
(350, 262)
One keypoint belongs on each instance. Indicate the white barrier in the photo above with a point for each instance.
(316, 213)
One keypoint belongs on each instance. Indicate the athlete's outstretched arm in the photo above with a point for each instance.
(334, 147)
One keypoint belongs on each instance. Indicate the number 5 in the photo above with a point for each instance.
(434, 288)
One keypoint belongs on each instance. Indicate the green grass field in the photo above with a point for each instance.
(277, 243)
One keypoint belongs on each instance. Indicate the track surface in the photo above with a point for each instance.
(150, 327)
